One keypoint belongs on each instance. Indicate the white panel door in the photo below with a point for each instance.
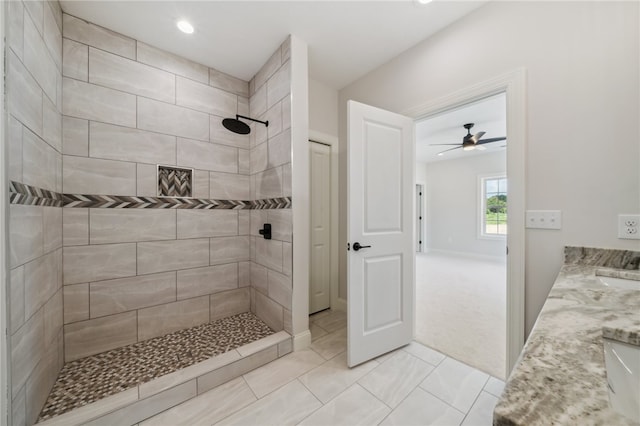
(380, 284)
(320, 262)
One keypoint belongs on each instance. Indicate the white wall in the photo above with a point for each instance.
(323, 108)
(452, 198)
(583, 156)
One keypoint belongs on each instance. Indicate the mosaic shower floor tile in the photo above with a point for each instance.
(89, 379)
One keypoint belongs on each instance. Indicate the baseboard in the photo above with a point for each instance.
(302, 340)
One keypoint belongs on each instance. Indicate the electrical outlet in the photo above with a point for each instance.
(629, 226)
(543, 219)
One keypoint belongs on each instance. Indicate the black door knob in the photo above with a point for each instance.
(357, 246)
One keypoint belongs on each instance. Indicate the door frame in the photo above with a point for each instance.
(514, 85)
(337, 303)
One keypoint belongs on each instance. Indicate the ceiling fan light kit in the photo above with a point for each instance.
(470, 142)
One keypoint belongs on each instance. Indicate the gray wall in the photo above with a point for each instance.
(34, 82)
(582, 61)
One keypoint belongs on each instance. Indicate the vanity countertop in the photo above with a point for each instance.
(560, 377)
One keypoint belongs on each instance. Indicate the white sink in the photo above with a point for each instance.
(622, 362)
(621, 283)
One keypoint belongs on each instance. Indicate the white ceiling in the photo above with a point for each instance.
(346, 39)
(489, 115)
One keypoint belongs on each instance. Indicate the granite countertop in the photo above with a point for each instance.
(560, 377)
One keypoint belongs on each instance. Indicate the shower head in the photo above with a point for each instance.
(240, 127)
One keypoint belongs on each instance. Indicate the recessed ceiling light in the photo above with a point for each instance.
(423, 1)
(185, 27)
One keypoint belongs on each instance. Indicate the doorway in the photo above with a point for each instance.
(461, 280)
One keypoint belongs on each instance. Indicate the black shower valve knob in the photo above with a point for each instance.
(265, 231)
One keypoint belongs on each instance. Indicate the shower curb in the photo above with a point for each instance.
(150, 398)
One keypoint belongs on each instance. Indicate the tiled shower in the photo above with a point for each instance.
(100, 258)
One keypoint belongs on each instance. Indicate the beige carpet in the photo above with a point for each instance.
(461, 309)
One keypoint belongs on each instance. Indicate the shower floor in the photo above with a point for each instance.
(89, 379)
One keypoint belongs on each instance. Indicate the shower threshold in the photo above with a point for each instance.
(129, 384)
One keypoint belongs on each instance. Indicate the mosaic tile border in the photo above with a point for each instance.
(20, 193)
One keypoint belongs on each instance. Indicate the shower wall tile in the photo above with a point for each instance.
(53, 32)
(19, 403)
(269, 311)
(76, 302)
(259, 278)
(228, 83)
(228, 186)
(205, 98)
(207, 156)
(126, 144)
(244, 274)
(229, 303)
(173, 120)
(51, 228)
(131, 225)
(75, 60)
(163, 319)
(39, 162)
(286, 180)
(100, 262)
(281, 224)
(258, 158)
(280, 149)
(25, 233)
(93, 35)
(96, 176)
(269, 253)
(268, 69)
(258, 102)
(97, 335)
(229, 249)
(39, 383)
(27, 346)
(163, 256)
(15, 32)
(269, 183)
(146, 180)
(16, 289)
(75, 136)
(75, 227)
(201, 184)
(84, 100)
(280, 288)
(175, 64)
(286, 112)
(24, 96)
(220, 135)
(38, 60)
(285, 49)
(14, 142)
(53, 316)
(260, 132)
(116, 72)
(127, 294)
(51, 124)
(244, 161)
(287, 258)
(207, 223)
(274, 116)
(279, 85)
(244, 222)
(208, 280)
(243, 105)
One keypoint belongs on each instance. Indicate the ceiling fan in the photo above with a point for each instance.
(469, 141)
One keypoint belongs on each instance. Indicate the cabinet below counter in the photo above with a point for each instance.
(560, 377)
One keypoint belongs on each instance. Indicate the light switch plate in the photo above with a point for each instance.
(629, 226)
(543, 219)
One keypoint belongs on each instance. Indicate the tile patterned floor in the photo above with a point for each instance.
(89, 379)
(413, 385)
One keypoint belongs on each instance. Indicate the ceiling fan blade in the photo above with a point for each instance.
(450, 149)
(442, 144)
(475, 138)
(480, 142)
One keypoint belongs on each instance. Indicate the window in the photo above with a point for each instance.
(493, 206)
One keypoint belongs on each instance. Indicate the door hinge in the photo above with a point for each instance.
(507, 250)
(348, 246)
